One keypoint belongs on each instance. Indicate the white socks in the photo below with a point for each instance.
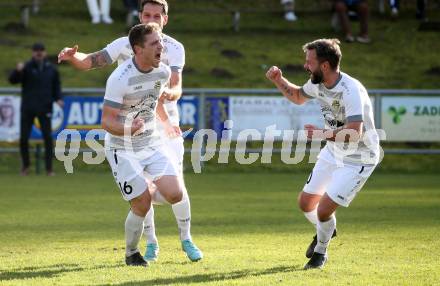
(149, 230)
(312, 216)
(324, 234)
(182, 212)
(133, 232)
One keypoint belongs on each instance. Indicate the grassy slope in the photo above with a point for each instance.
(398, 57)
(68, 230)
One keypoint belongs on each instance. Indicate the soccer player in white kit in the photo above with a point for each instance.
(174, 56)
(340, 172)
(132, 143)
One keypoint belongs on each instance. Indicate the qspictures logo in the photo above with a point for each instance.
(397, 113)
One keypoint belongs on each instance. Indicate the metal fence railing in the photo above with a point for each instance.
(202, 93)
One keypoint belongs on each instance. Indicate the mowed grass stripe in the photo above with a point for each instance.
(68, 230)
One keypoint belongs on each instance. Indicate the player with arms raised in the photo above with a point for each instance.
(339, 173)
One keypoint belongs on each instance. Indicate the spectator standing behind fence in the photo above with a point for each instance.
(289, 10)
(40, 88)
(342, 8)
(100, 13)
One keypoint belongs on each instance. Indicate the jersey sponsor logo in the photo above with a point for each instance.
(152, 96)
(138, 87)
(334, 122)
(326, 109)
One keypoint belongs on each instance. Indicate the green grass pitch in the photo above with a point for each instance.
(68, 230)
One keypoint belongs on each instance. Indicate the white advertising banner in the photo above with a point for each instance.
(9, 118)
(261, 112)
(411, 118)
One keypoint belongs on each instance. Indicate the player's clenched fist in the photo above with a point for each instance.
(166, 94)
(274, 74)
(137, 126)
(66, 54)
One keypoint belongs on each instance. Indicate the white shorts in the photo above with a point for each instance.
(341, 183)
(131, 170)
(175, 150)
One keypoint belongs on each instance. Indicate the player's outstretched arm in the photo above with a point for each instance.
(288, 89)
(84, 61)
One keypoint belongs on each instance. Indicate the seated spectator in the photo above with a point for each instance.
(132, 7)
(100, 13)
(420, 14)
(342, 8)
(289, 10)
(394, 6)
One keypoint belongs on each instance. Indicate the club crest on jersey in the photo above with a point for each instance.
(336, 104)
(157, 84)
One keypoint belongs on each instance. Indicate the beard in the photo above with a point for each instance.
(317, 77)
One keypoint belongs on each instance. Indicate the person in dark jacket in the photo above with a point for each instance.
(40, 88)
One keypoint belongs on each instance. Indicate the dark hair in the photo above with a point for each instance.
(138, 33)
(162, 3)
(326, 50)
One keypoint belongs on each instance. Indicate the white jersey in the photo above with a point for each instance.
(347, 101)
(136, 93)
(173, 55)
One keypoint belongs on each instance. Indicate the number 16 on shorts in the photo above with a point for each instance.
(128, 173)
(126, 189)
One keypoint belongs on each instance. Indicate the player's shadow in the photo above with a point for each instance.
(205, 278)
(48, 271)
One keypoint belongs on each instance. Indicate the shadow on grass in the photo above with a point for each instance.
(46, 271)
(205, 278)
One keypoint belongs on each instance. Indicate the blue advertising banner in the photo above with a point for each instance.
(79, 112)
(188, 106)
(83, 113)
(216, 112)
